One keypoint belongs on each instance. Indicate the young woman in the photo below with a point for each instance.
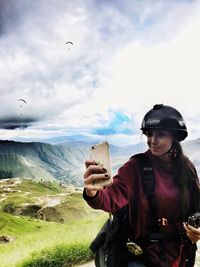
(177, 194)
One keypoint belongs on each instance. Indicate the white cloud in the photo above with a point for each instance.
(166, 73)
(146, 54)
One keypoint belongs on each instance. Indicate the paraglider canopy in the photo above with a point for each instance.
(20, 99)
(69, 44)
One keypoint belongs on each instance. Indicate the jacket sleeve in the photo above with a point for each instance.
(115, 196)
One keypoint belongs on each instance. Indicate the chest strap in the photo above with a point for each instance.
(148, 183)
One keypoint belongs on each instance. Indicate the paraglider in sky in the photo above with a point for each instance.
(22, 102)
(69, 44)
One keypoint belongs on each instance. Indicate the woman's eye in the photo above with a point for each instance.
(161, 134)
(149, 134)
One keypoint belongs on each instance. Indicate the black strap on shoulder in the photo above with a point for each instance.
(148, 182)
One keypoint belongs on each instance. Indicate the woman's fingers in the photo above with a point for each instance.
(192, 232)
(92, 175)
(94, 178)
(89, 162)
(93, 168)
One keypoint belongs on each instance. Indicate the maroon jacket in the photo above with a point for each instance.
(127, 188)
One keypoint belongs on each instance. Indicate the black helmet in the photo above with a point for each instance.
(166, 118)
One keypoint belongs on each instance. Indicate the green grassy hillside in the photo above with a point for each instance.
(39, 188)
(31, 236)
(44, 199)
(32, 240)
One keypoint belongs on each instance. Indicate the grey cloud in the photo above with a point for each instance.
(36, 61)
(12, 123)
(8, 16)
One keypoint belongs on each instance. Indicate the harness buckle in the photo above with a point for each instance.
(134, 248)
(163, 222)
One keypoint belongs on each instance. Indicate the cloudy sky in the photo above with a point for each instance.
(125, 56)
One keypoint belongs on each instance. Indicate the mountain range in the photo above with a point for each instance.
(65, 161)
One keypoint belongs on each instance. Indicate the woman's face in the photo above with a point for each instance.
(159, 141)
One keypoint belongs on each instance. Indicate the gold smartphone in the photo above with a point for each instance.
(101, 154)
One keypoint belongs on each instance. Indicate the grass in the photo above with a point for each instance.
(39, 188)
(27, 191)
(13, 201)
(39, 243)
(63, 255)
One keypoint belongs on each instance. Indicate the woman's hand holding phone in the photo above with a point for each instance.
(98, 169)
(92, 175)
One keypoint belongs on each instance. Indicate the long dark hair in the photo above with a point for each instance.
(186, 178)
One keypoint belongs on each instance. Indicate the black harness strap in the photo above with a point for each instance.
(148, 182)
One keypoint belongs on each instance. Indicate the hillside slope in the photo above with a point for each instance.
(39, 161)
(65, 162)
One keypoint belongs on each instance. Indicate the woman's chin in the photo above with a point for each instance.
(155, 153)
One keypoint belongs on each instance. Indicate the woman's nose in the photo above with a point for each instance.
(154, 138)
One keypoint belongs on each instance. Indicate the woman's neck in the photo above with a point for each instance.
(164, 161)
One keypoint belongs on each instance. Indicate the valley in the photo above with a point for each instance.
(41, 193)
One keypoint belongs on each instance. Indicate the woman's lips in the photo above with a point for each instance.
(154, 147)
